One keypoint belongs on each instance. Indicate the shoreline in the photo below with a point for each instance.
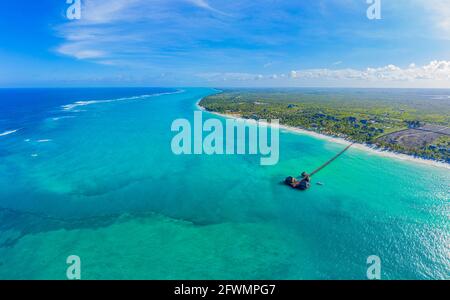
(339, 140)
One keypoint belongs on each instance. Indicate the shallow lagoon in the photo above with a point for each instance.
(106, 186)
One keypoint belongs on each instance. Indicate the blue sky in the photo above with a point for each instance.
(225, 43)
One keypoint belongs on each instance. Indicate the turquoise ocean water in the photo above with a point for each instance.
(99, 180)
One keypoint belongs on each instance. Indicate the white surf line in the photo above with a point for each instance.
(9, 132)
(366, 148)
(69, 107)
(62, 118)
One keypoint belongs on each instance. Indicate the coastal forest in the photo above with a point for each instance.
(401, 121)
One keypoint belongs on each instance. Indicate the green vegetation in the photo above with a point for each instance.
(357, 117)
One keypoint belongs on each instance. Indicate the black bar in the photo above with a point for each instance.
(223, 289)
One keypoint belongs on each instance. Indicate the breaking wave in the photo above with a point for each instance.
(70, 107)
(9, 132)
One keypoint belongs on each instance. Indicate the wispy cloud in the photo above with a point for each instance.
(240, 40)
(135, 29)
(229, 76)
(79, 51)
(205, 5)
(439, 12)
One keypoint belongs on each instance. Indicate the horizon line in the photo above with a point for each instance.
(223, 87)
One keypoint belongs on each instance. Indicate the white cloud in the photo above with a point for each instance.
(435, 71)
(95, 11)
(79, 51)
(205, 5)
(103, 12)
(149, 33)
(122, 27)
(229, 76)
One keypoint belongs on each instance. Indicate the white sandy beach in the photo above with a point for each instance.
(343, 141)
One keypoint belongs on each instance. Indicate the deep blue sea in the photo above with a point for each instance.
(90, 172)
